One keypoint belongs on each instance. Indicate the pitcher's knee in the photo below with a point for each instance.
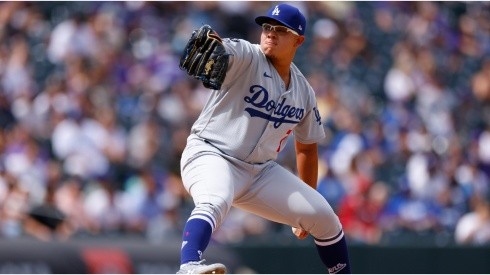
(325, 225)
(214, 212)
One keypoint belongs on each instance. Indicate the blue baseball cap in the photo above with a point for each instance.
(287, 15)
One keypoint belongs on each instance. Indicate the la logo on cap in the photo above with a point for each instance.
(276, 11)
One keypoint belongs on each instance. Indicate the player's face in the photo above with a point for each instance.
(278, 41)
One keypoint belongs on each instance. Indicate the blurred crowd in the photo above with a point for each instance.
(95, 113)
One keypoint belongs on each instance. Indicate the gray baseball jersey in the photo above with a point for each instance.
(228, 160)
(252, 115)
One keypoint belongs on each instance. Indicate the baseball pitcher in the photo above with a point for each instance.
(258, 99)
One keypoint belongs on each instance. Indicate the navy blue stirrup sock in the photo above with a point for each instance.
(195, 239)
(335, 257)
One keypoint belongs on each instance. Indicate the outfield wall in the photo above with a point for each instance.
(98, 256)
(137, 256)
(371, 259)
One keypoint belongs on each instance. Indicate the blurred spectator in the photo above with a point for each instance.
(481, 82)
(14, 205)
(143, 143)
(16, 80)
(363, 214)
(474, 227)
(69, 198)
(74, 143)
(330, 187)
(399, 83)
(104, 204)
(147, 197)
(45, 221)
(73, 36)
(25, 160)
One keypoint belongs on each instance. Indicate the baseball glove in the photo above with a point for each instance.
(205, 57)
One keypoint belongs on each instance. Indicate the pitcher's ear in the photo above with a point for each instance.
(299, 40)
